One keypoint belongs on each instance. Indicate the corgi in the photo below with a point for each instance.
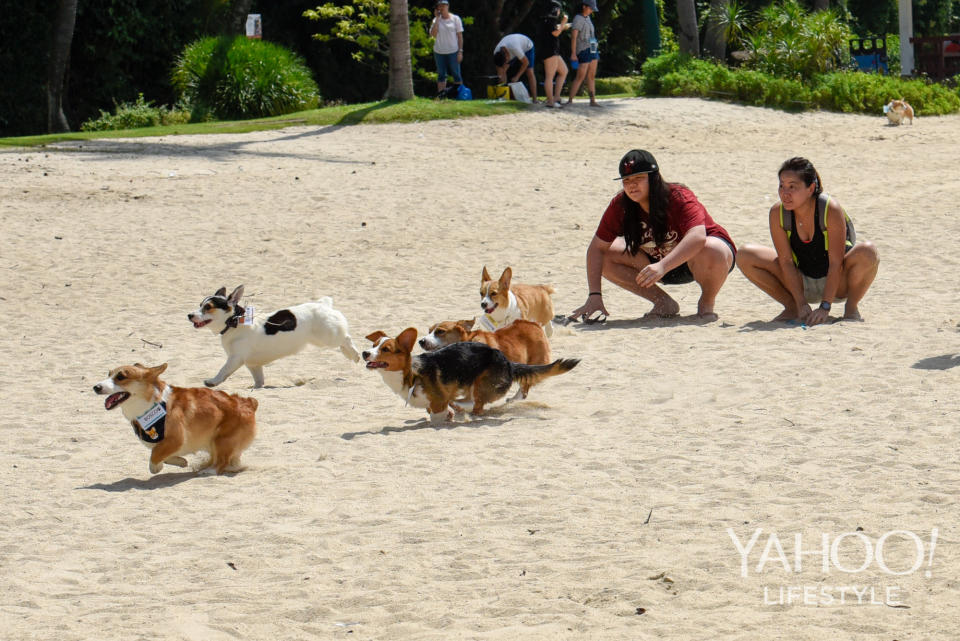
(503, 302)
(521, 341)
(897, 111)
(173, 421)
(256, 343)
(435, 379)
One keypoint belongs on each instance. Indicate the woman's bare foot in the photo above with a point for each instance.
(664, 308)
(785, 315)
(853, 315)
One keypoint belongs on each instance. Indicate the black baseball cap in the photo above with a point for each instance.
(637, 161)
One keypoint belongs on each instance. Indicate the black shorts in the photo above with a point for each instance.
(682, 274)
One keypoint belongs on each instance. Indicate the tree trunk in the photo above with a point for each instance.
(689, 36)
(715, 39)
(821, 5)
(60, 43)
(400, 84)
(237, 18)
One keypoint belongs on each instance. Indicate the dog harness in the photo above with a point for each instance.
(151, 425)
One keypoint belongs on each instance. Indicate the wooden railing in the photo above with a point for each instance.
(937, 56)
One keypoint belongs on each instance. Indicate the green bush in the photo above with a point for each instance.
(845, 91)
(237, 77)
(135, 115)
(618, 85)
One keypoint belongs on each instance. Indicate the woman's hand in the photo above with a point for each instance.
(803, 313)
(593, 305)
(817, 316)
(651, 274)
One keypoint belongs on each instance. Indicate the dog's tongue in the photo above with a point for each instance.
(376, 365)
(198, 323)
(115, 399)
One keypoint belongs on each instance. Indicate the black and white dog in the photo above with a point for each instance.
(256, 343)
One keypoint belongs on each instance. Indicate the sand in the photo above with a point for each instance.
(602, 507)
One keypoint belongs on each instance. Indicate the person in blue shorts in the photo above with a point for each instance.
(447, 32)
(584, 51)
(513, 57)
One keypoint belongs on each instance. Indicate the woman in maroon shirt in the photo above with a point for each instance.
(654, 231)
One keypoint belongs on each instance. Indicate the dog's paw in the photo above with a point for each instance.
(179, 461)
(210, 382)
(155, 468)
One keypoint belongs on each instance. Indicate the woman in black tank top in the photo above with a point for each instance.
(811, 258)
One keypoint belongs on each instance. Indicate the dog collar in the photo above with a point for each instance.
(234, 320)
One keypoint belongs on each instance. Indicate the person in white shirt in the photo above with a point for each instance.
(518, 47)
(447, 32)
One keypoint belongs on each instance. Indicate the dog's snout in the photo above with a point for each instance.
(365, 354)
(423, 342)
(190, 316)
(98, 388)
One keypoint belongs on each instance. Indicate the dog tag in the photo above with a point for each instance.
(247, 316)
(151, 416)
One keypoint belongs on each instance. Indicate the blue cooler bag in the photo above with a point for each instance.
(464, 93)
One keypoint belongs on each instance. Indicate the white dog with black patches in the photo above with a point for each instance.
(255, 343)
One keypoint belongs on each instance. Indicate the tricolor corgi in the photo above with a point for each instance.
(503, 302)
(256, 343)
(173, 421)
(521, 341)
(435, 380)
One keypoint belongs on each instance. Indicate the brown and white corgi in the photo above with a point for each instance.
(173, 421)
(898, 111)
(521, 341)
(504, 301)
(435, 380)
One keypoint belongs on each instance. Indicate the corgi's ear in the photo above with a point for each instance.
(235, 295)
(140, 365)
(157, 371)
(220, 292)
(505, 278)
(376, 336)
(485, 276)
(407, 339)
(467, 324)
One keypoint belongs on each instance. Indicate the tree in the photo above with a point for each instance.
(715, 38)
(400, 84)
(63, 24)
(821, 5)
(237, 16)
(689, 35)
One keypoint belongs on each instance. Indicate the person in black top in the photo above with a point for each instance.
(815, 257)
(548, 41)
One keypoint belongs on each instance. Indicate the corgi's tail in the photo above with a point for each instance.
(530, 375)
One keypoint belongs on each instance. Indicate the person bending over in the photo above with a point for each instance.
(656, 232)
(516, 47)
(815, 257)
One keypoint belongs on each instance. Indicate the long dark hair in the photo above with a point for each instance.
(659, 202)
(805, 169)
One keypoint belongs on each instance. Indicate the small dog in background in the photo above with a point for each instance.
(504, 301)
(898, 111)
(521, 342)
(436, 380)
(256, 343)
(173, 421)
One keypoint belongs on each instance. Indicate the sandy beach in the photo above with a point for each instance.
(608, 505)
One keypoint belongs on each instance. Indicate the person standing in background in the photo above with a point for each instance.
(584, 51)
(447, 32)
(548, 41)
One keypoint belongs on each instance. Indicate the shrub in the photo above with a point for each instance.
(618, 85)
(134, 115)
(237, 77)
(788, 41)
(846, 91)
